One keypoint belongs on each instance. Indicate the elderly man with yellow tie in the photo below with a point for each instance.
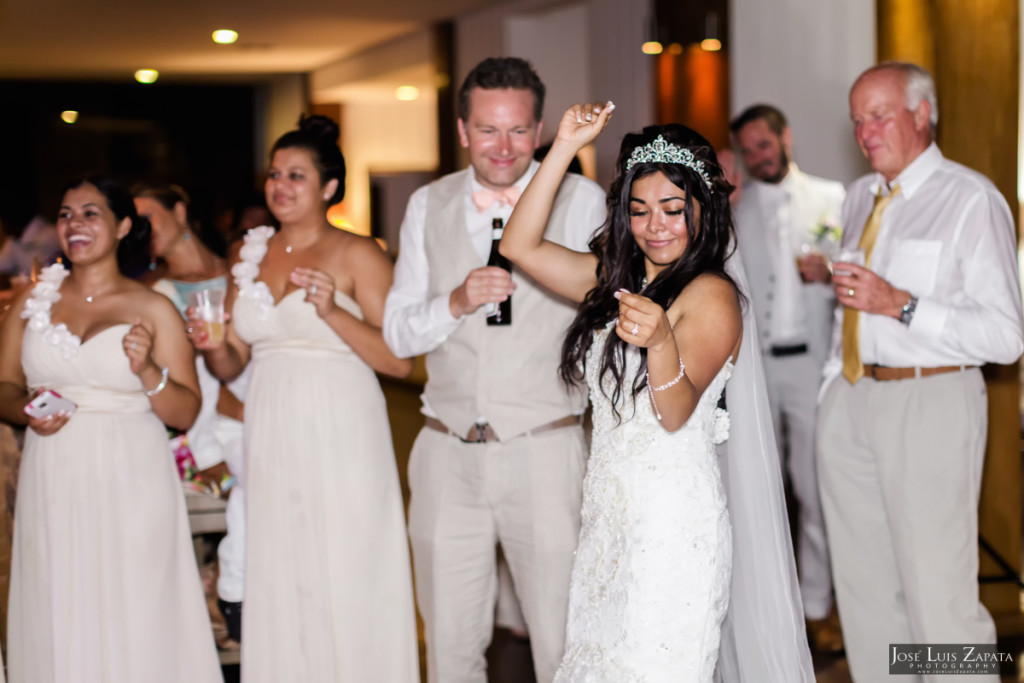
(501, 458)
(902, 422)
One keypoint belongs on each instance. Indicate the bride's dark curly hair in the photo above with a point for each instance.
(621, 262)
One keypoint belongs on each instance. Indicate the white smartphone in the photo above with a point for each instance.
(49, 403)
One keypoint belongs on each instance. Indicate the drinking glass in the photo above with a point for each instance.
(855, 256)
(209, 307)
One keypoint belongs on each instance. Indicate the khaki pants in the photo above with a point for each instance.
(900, 471)
(466, 498)
(793, 383)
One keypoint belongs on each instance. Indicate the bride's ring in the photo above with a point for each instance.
(312, 290)
(132, 346)
(189, 330)
(636, 327)
(850, 292)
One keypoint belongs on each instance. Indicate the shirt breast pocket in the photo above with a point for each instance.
(915, 266)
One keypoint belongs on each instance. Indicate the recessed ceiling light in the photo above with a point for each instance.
(225, 36)
(711, 44)
(651, 47)
(69, 116)
(147, 76)
(407, 93)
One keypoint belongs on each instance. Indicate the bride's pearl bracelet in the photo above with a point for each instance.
(663, 387)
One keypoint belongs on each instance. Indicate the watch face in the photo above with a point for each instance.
(907, 314)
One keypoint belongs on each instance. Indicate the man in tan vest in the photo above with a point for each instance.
(902, 422)
(501, 458)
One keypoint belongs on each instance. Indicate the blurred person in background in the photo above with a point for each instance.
(215, 440)
(783, 221)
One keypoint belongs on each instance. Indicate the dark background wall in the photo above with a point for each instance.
(198, 136)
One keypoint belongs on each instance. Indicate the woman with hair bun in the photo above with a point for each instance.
(328, 592)
(104, 584)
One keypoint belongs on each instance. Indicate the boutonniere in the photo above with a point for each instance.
(827, 229)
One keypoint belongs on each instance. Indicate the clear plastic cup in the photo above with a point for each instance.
(208, 305)
(854, 256)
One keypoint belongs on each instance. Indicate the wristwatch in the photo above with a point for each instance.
(907, 313)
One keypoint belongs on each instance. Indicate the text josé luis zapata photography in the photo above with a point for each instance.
(946, 659)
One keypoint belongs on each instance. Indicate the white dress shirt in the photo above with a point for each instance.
(413, 324)
(948, 239)
(786, 224)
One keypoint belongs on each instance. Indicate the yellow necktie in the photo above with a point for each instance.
(853, 368)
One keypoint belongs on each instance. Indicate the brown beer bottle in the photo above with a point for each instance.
(500, 313)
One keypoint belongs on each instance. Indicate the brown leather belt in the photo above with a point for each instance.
(886, 374)
(482, 433)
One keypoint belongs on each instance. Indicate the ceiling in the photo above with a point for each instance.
(110, 39)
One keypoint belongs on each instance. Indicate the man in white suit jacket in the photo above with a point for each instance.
(784, 217)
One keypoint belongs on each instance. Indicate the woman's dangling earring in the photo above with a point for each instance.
(152, 263)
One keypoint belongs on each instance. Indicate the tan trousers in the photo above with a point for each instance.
(900, 472)
(466, 498)
(793, 383)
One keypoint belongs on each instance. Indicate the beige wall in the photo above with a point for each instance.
(557, 44)
(287, 98)
(385, 137)
(378, 132)
(802, 56)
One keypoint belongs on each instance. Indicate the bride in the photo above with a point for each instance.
(663, 582)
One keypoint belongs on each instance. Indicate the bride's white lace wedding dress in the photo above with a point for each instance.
(650, 585)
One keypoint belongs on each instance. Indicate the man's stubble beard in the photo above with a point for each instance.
(783, 168)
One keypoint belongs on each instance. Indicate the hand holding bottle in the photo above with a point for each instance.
(482, 286)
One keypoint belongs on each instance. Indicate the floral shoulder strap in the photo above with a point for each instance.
(37, 310)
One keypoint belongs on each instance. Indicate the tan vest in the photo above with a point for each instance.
(507, 374)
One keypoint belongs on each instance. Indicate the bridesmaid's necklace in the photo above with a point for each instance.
(288, 248)
(90, 297)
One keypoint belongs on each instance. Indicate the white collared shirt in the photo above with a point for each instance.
(948, 239)
(780, 211)
(413, 324)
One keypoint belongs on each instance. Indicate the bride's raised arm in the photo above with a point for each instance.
(566, 272)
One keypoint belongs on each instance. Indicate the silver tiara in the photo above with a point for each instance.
(662, 152)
